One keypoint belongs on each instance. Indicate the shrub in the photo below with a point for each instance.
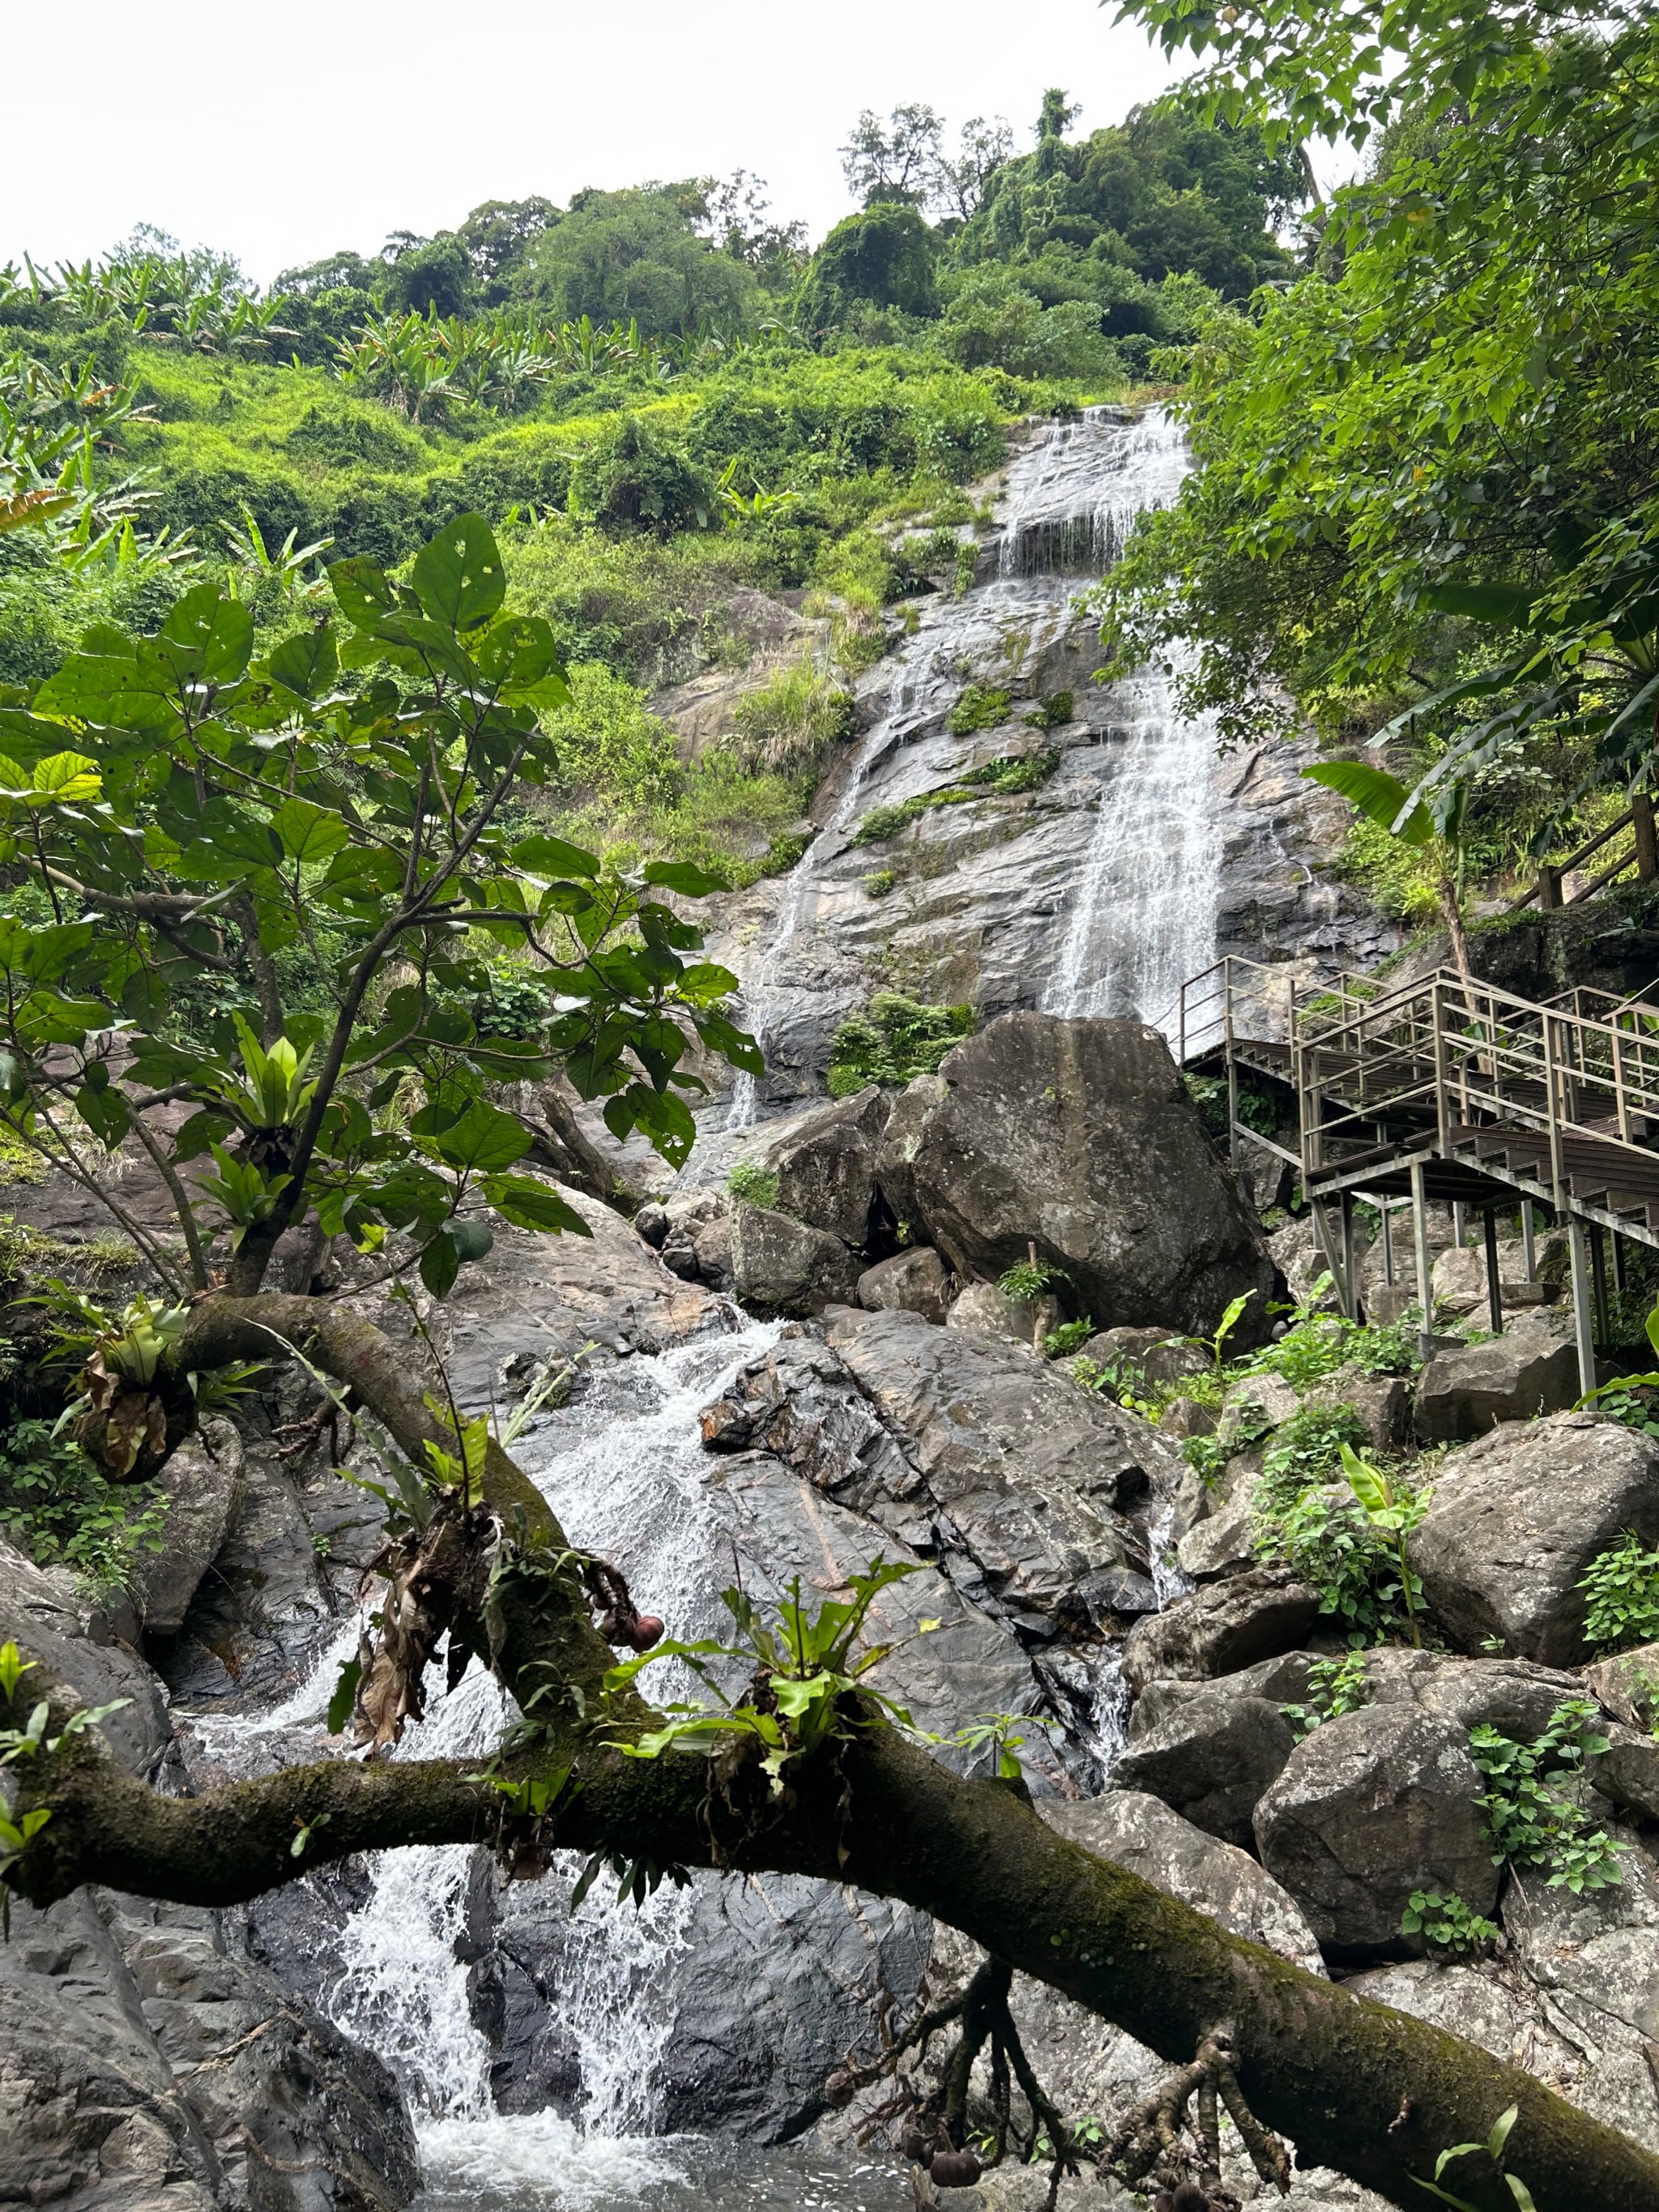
(1052, 712)
(55, 1506)
(1623, 1583)
(1305, 1451)
(630, 479)
(752, 1184)
(1070, 1336)
(894, 1040)
(790, 722)
(611, 745)
(879, 882)
(1335, 1687)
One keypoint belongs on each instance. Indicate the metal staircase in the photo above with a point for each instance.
(1441, 1090)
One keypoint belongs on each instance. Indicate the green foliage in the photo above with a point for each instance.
(635, 255)
(1070, 1336)
(1623, 1587)
(1052, 712)
(1257, 1111)
(610, 747)
(790, 723)
(1335, 1687)
(879, 882)
(893, 1041)
(1493, 2150)
(631, 478)
(807, 1668)
(981, 707)
(751, 1184)
(882, 258)
(183, 767)
(61, 1511)
(1027, 1279)
(1350, 1549)
(1448, 1925)
(1004, 779)
(1534, 1804)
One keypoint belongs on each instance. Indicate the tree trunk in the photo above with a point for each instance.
(1360, 2088)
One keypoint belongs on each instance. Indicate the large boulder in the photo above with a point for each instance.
(1531, 1369)
(782, 1266)
(826, 1166)
(1515, 1520)
(1029, 1470)
(917, 1281)
(1077, 1136)
(1139, 1831)
(72, 1644)
(1368, 1807)
(1222, 1628)
(1211, 1749)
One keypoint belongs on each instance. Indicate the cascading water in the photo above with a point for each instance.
(1132, 912)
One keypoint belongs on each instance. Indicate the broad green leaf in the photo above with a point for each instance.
(484, 1138)
(531, 1204)
(305, 663)
(684, 876)
(1506, 606)
(67, 777)
(363, 591)
(1377, 794)
(211, 637)
(458, 578)
(106, 689)
(441, 1260)
(309, 833)
(1364, 1481)
(344, 1698)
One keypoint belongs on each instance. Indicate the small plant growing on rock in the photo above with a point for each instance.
(1534, 1802)
(879, 882)
(1070, 1336)
(1052, 712)
(1392, 1512)
(1024, 1283)
(981, 707)
(1493, 2147)
(1335, 1687)
(751, 1184)
(894, 1040)
(1446, 1924)
(1623, 1583)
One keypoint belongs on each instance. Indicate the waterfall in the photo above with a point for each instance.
(1135, 914)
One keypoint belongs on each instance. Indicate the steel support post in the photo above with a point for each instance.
(1494, 1288)
(1583, 1322)
(1424, 1269)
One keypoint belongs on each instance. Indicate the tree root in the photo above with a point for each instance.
(1162, 2140)
(940, 2121)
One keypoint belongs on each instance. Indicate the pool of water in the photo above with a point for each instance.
(540, 2163)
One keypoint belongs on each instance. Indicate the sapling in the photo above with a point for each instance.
(1393, 1516)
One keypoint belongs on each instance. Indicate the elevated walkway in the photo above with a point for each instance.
(1451, 1091)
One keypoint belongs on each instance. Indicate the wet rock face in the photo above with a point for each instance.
(1222, 1628)
(1077, 1135)
(147, 2064)
(1515, 1520)
(1031, 1472)
(825, 1166)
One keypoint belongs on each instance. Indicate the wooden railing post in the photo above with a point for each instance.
(1425, 1266)
(1549, 887)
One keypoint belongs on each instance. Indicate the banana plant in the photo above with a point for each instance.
(1392, 1514)
(1436, 825)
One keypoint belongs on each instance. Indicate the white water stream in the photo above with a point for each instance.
(1140, 915)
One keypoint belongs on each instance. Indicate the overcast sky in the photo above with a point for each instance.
(283, 132)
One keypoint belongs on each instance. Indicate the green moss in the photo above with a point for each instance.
(981, 707)
(999, 778)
